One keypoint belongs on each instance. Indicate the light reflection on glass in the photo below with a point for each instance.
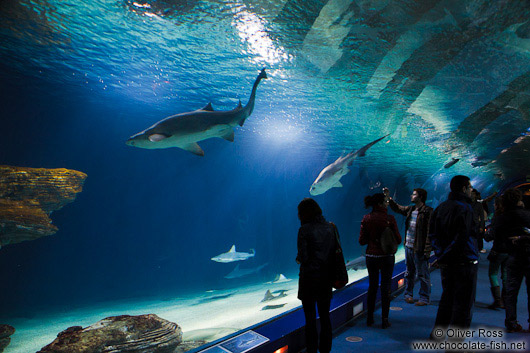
(252, 31)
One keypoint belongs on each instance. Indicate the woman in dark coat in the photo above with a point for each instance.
(316, 247)
(377, 261)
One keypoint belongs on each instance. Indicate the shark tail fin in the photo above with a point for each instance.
(262, 74)
(253, 252)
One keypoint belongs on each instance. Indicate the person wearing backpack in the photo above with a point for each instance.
(417, 244)
(378, 261)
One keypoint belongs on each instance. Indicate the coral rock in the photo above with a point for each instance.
(5, 332)
(27, 198)
(119, 334)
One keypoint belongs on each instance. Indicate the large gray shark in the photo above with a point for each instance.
(238, 272)
(330, 176)
(184, 130)
(232, 255)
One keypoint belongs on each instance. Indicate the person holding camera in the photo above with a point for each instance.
(417, 244)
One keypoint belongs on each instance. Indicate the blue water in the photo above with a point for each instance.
(78, 78)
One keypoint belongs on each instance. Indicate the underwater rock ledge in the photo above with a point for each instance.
(5, 332)
(29, 195)
(119, 334)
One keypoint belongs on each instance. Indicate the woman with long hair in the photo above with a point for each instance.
(377, 261)
(316, 247)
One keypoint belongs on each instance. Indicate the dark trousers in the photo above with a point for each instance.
(311, 336)
(516, 269)
(459, 285)
(497, 262)
(418, 264)
(375, 266)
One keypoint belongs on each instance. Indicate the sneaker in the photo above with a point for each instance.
(421, 303)
(409, 300)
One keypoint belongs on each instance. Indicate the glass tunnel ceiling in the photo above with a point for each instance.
(446, 79)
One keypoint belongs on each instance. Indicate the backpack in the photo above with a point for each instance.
(388, 241)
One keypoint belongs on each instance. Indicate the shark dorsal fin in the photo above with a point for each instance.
(268, 295)
(208, 107)
(232, 249)
(239, 105)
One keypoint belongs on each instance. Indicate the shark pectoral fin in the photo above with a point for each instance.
(338, 184)
(228, 135)
(194, 148)
(208, 107)
(157, 137)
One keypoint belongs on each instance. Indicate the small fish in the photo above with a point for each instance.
(451, 163)
(480, 162)
(270, 307)
(232, 255)
(268, 296)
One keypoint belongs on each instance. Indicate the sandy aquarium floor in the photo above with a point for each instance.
(208, 315)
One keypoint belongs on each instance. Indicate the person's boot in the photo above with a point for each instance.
(386, 323)
(497, 301)
(370, 319)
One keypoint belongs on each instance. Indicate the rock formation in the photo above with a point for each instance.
(119, 334)
(5, 332)
(29, 195)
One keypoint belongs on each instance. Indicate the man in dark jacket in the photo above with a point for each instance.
(417, 244)
(513, 226)
(453, 235)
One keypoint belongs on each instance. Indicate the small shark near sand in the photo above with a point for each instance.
(330, 176)
(184, 130)
(232, 255)
(269, 296)
(280, 279)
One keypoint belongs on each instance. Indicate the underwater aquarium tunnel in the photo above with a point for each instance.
(153, 153)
